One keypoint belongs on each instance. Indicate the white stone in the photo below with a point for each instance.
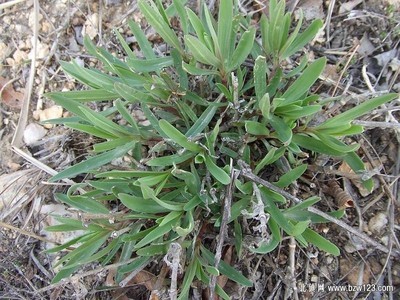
(33, 133)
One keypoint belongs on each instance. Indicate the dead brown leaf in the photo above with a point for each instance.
(9, 96)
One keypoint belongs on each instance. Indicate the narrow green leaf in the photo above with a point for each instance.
(131, 94)
(196, 24)
(291, 176)
(287, 111)
(92, 130)
(93, 162)
(336, 144)
(124, 44)
(127, 116)
(152, 250)
(183, 18)
(242, 49)
(139, 204)
(303, 38)
(189, 222)
(225, 17)
(188, 279)
(88, 205)
(80, 254)
(315, 145)
(216, 171)
(193, 70)
(129, 174)
(256, 128)
(212, 45)
(277, 215)
(358, 111)
(150, 65)
(272, 155)
(260, 76)
(148, 193)
(155, 234)
(226, 269)
(182, 74)
(323, 244)
(267, 247)
(104, 123)
(300, 227)
(201, 52)
(178, 137)
(270, 194)
(303, 205)
(154, 17)
(87, 95)
(304, 82)
(283, 131)
(138, 263)
(357, 165)
(265, 106)
(170, 159)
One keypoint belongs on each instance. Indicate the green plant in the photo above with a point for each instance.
(210, 114)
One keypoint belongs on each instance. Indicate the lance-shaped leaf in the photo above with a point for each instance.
(304, 82)
(260, 76)
(242, 49)
(150, 65)
(200, 52)
(283, 131)
(215, 171)
(154, 17)
(357, 111)
(94, 162)
(314, 238)
(291, 176)
(225, 32)
(179, 138)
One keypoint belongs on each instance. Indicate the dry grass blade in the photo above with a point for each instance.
(224, 227)
(23, 118)
(10, 3)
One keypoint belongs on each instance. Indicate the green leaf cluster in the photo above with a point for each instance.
(216, 97)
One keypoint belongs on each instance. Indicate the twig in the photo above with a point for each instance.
(27, 233)
(172, 259)
(345, 69)
(374, 124)
(23, 118)
(292, 267)
(128, 278)
(247, 173)
(226, 214)
(366, 78)
(354, 231)
(9, 3)
(39, 265)
(328, 22)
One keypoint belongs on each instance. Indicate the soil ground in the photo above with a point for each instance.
(361, 41)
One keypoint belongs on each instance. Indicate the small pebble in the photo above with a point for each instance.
(33, 133)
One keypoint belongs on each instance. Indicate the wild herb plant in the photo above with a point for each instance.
(218, 102)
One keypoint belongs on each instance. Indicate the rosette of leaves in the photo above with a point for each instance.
(216, 97)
